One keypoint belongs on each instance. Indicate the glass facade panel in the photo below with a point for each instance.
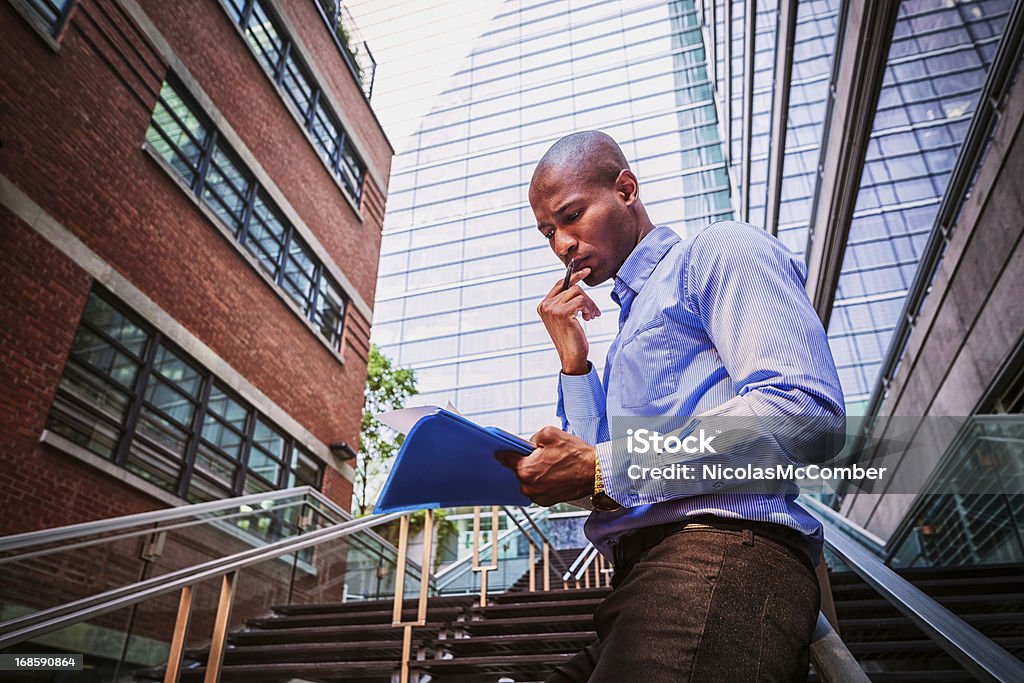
(935, 69)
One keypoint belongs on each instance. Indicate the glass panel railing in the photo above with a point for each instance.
(974, 512)
(108, 555)
(522, 535)
(117, 592)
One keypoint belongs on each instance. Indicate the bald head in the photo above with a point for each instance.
(590, 156)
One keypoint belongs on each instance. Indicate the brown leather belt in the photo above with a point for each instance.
(629, 549)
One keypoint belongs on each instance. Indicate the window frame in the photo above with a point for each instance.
(254, 192)
(146, 374)
(352, 180)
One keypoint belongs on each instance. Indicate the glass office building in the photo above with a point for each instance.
(463, 266)
(687, 89)
(936, 67)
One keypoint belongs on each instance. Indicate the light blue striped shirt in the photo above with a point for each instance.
(716, 325)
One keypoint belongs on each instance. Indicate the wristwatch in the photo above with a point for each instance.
(601, 501)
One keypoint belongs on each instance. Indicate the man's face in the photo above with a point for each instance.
(585, 221)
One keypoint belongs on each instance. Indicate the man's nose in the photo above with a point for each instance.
(564, 245)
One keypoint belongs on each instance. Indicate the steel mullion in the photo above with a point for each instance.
(246, 14)
(62, 17)
(189, 457)
(286, 49)
(727, 98)
(177, 119)
(131, 421)
(314, 99)
(285, 247)
(177, 150)
(749, 47)
(247, 212)
(247, 445)
(785, 36)
(204, 163)
(318, 272)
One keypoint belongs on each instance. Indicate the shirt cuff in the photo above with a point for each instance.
(581, 396)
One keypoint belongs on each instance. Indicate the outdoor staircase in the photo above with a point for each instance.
(519, 635)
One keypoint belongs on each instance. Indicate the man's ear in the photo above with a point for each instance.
(628, 186)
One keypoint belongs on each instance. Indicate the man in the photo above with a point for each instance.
(711, 582)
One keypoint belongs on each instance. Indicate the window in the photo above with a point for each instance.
(276, 52)
(180, 134)
(50, 13)
(131, 397)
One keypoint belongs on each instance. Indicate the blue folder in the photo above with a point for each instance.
(448, 461)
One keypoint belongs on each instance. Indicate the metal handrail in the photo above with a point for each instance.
(145, 531)
(63, 533)
(589, 560)
(868, 539)
(540, 532)
(576, 562)
(981, 656)
(45, 621)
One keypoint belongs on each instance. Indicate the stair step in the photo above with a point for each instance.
(355, 606)
(345, 618)
(358, 671)
(537, 664)
(320, 634)
(367, 650)
(544, 624)
(557, 594)
(568, 642)
(537, 608)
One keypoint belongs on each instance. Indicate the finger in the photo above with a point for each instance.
(546, 435)
(509, 459)
(576, 277)
(583, 303)
(578, 302)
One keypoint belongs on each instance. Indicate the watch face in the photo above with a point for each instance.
(604, 503)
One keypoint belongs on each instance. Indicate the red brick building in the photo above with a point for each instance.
(191, 200)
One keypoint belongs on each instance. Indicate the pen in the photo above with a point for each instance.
(568, 274)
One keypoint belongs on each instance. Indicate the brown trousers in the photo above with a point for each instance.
(704, 605)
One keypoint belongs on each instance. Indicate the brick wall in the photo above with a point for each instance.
(72, 129)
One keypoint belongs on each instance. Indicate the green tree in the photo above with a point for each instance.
(387, 388)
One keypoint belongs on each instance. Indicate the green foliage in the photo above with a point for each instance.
(387, 388)
(334, 13)
(445, 534)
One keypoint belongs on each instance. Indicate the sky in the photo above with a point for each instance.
(417, 44)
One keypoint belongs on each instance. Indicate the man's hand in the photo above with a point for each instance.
(561, 469)
(558, 310)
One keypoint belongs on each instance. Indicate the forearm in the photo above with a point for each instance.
(764, 429)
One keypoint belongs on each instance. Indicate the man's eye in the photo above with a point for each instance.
(549, 235)
(573, 216)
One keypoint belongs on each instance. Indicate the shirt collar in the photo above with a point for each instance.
(640, 263)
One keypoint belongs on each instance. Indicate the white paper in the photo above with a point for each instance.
(403, 419)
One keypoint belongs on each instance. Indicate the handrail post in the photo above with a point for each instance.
(173, 670)
(421, 608)
(220, 627)
(477, 567)
(545, 553)
(533, 568)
